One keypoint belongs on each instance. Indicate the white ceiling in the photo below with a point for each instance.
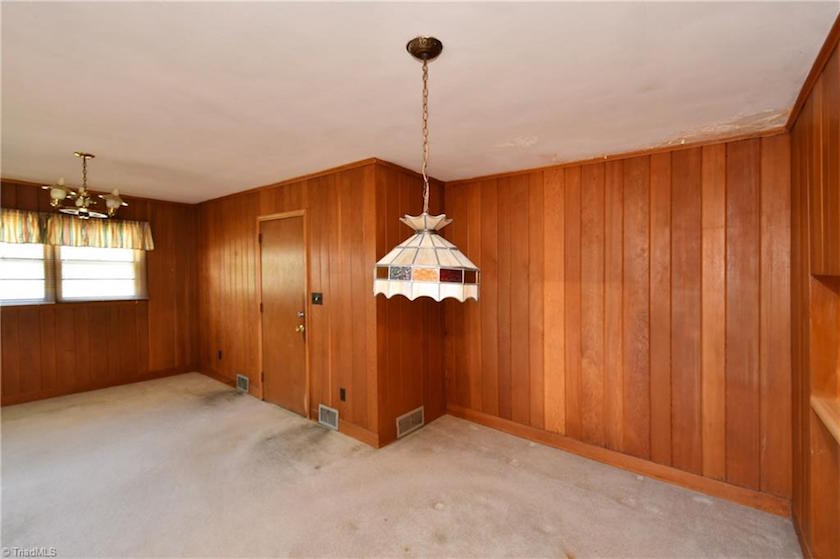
(191, 101)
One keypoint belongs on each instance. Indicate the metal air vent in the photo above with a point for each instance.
(411, 421)
(242, 383)
(327, 416)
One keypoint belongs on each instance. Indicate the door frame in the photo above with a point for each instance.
(306, 306)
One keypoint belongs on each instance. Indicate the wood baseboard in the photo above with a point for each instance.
(755, 499)
(359, 433)
(220, 378)
(98, 385)
(803, 543)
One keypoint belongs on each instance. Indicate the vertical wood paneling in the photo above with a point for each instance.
(553, 300)
(471, 310)
(536, 282)
(489, 298)
(520, 378)
(775, 357)
(591, 396)
(713, 319)
(103, 351)
(572, 298)
(636, 337)
(742, 313)
(504, 300)
(815, 303)
(686, 253)
(648, 263)
(660, 307)
(613, 305)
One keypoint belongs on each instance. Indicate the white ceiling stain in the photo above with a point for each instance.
(191, 101)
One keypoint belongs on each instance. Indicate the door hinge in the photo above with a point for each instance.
(261, 306)
(262, 377)
(259, 238)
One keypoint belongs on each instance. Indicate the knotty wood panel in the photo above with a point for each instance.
(815, 303)
(64, 348)
(651, 315)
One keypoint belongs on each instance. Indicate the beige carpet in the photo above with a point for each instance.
(186, 466)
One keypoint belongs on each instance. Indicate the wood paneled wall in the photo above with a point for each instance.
(816, 310)
(367, 346)
(62, 348)
(409, 333)
(637, 304)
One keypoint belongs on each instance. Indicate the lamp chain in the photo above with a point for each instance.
(425, 135)
(84, 172)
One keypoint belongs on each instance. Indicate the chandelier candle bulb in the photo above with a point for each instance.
(426, 264)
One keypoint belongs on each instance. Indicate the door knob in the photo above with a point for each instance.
(300, 328)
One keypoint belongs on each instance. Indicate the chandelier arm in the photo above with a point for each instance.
(425, 135)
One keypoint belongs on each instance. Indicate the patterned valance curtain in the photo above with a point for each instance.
(17, 226)
(57, 229)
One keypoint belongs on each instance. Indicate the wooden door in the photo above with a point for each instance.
(283, 288)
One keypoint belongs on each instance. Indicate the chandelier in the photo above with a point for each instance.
(82, 199)
(426, 264)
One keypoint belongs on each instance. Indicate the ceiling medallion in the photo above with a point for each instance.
(82, 199)
(426, 264)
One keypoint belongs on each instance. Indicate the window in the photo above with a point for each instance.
(24, 273)
(29, 275)
(86, 273)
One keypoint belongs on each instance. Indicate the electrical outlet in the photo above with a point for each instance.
(342, 394)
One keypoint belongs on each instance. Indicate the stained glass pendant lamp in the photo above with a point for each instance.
(426, 264)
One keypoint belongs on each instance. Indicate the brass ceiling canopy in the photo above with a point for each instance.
(424, 48)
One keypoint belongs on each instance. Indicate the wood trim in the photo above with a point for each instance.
(831, 42)
(220, 378)
(359, 433)
(282, 215)
(317, 174)
(23, 398)
(828, 410)
(301, 178)
(803, 542)
(762, 501)
(307, 302)
(627, 155)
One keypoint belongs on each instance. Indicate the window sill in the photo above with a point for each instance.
(70, 302)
